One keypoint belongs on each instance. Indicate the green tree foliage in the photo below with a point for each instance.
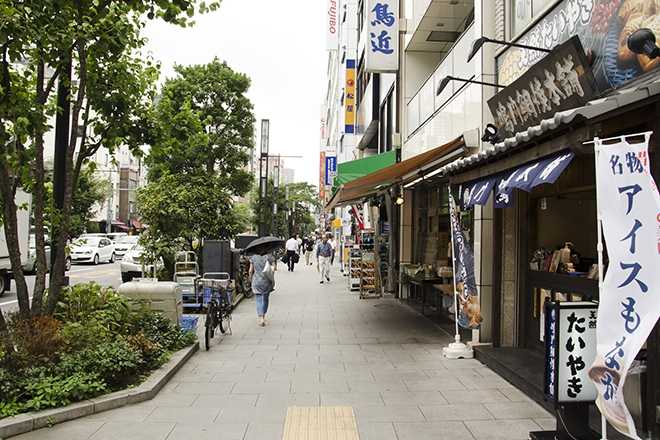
(296, 203)
(202, 137)
(111, 91)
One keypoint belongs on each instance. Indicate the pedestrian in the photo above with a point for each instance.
(333, 243)
(263, 283)
(309, 250)
(323, 255)
(291, 252)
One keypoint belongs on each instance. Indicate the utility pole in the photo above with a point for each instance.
(263, 173)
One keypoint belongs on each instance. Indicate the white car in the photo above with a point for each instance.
(124, 244)
(131, 265)
(92, 250)
(115, 236)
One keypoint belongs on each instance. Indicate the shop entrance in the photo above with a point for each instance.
(558, 240)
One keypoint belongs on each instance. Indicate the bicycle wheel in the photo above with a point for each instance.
(210, 326)
(221, 324)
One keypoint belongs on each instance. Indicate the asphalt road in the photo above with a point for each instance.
(105, 274)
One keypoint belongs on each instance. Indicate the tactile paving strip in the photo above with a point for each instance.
(320, 423)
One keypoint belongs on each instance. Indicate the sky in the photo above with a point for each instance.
(280, 45)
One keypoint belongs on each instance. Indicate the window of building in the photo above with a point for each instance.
(386, 123)
(360, 16)
(363, 78)
(523, 12)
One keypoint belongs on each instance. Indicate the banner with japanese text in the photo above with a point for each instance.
(469, 310)
(629, 211)
(382, 20)
(349, 98)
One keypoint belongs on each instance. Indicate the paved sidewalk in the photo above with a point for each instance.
(322, 347)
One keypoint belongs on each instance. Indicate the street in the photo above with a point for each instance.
(104, 274)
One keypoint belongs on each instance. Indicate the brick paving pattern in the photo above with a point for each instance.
(322, 347)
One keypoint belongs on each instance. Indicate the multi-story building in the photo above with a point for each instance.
(483, 90)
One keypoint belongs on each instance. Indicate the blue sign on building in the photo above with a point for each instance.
(330, 169)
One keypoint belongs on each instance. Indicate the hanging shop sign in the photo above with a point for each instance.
(349, 98)
(525, 177)
(469, 309)
(570, 350)
(629, 213)
(330, 169)
(603, 28)
(560, 81)
(322, 177)
(382, 51)
(332, 25)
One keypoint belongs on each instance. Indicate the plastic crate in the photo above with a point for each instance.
(189, 323)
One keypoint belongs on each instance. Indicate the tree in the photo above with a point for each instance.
(202, 136)
(39, 39)
(295, 203)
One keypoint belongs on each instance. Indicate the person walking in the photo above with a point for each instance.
(291, 252)
(309, 249)
(333, 243)
(323, 255)
(263, 283)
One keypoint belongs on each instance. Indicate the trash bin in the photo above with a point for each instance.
(160, 296)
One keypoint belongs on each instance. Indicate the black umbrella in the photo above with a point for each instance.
(264, 245)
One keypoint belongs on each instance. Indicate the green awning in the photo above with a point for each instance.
(355, 169)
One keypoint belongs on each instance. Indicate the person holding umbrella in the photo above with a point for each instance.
(262, 264)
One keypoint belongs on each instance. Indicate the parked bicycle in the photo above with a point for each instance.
(216, 296)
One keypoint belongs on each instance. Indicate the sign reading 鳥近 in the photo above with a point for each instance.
(382, 51)
(349, 98)
(629, 213)
(332, 25)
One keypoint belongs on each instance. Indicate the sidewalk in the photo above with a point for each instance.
(322, 347)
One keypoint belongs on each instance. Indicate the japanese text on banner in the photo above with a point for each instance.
(629, 208)
(382, 53)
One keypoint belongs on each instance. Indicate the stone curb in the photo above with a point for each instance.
(145, 391)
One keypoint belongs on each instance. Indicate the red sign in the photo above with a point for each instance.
(322, 177)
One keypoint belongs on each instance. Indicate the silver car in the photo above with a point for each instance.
(30, 265)
(131, 265)
(124, 244)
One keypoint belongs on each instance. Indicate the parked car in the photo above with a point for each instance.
(92, 250)
(30, 266)
(131, 265)
(115, 236)
(124, 244)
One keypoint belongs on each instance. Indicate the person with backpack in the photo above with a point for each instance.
(309, 250)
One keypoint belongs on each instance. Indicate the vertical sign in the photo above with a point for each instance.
(382, 18)
(265, 128)
(629, 214)
(330, 169)
(332, 25)
(576, 350)
(349, 98)
(469, 315)
(322, 177)
(550, 352)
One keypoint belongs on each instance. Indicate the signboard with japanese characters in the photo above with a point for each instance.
(382, 51)
(330, 169)
(349, 98)
(322, 177)
(629, 213)
(332, 25)
(570, 347)
(560, 81)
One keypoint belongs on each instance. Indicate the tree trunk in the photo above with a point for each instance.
(38, 200)
(11, 237)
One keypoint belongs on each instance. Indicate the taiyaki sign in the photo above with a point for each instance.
(560, 81)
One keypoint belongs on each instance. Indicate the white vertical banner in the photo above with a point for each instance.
(382, 21)
(629, 307)
(332, 25)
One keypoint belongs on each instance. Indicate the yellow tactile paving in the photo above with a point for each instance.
(320, 423)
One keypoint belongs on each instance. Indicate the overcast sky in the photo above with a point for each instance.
(280, 45)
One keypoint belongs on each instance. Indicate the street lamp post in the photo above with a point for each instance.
(263, 172)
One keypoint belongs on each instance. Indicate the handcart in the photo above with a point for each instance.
(186, 274)
(215, 291)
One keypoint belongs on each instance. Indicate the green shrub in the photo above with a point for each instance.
(115, 361)
(81, 335)
(91, 301)
(53, 391)
(161, 330)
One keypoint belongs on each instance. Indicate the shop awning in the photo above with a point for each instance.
(355, 169)
(370, 184)
(595, 110)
